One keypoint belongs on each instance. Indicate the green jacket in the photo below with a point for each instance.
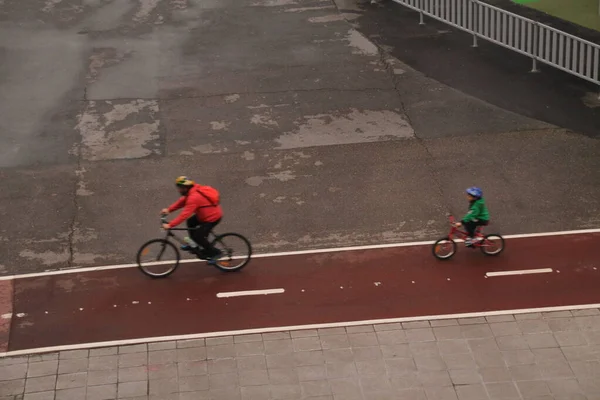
(477, 211)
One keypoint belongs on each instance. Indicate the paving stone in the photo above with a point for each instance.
(220, 351)
(502, 390)
(499, 318)
(12, 372)
(255, 392)
(495, 374)
(281, 360)
(12, 387)
(104, 351)
(282, 346)
(103, 363)
(254, 377)
(341, 370)
(315, 388)
(277, 335)
(306, 343)
(476, 331)
(132, 374)
(102, 392)
(360, 329)
(250, 349)
(525, 372)
(311, 372)
(14, 360)
(534, 326)
(218, 381)
(483, 344)
(338, 355)
(416, 324)
(193, 383)
(229, 393)
(540, 340)
(162, 356)
(570, 338)
(334, 342)
(420, 335)
(374, 383)
(283, 376)
(304, 333)
(69, 381)
(516, 342)
(434, 378)
(394, 326)
(555, 369)
(531, 389)
(71, 394)
(448, 332)
(251, 362)
(584, 313)
(36, 369)
(528, 316)
(331, 331)
(441, 393)
(42, 357)
(453, 346)
(363, 339)
(518, 357)
(430, 363)
(586, 369)
(459, 361)
(443, 322)
(171, 345)
(254, 337)
(371, 367)
(222, 365)
(40, 384)
(71, 354)
(102, 377)
(132, 360)
(132, 389)
(191, 354)
(192, 368)
(545, 355)
(308, 358)
(405, 380)
(163, 371)
(410, 394)
(73, 365)
(471, 392)
(395, 351)
(505, 329)
(344, 386)
(397, 366)
(136, 348)
(472, 321)
(465, 376)
(489, 359)
(424, 348)
(286, 392)
(563, 324)
(367, 353)
(191, 343)
(588, 323)
(49, 395)
(220, 340)
(163, 387)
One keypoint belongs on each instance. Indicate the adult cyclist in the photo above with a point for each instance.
(201, 211)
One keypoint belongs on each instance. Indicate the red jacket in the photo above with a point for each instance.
(196, 203)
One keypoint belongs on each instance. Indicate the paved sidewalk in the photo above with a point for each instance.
(528, 356)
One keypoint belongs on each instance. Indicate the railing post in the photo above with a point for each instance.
(421, 22)
(536, 39)
(473, 13)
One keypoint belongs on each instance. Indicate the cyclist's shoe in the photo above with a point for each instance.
(468, 242)
(213, 259)
(186, 247)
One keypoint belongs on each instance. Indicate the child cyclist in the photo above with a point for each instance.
(478, 214)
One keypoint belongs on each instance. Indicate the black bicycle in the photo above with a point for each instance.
(235, 249)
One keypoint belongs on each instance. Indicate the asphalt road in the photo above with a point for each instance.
(315, 136)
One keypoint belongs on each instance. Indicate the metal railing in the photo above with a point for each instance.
(541, 42)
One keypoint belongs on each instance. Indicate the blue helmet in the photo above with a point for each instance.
(475, 191)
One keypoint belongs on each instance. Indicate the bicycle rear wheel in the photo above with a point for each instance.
(444, 248)
(236, 252)
(158, 258)
(492, 244)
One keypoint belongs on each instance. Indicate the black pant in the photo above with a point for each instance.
(470, 226)
(200, 234)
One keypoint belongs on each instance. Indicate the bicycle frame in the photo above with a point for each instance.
(456, 232)
(177, 238)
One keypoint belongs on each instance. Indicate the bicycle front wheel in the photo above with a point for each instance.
(158, 258)
(236, 252)
(444, 248)
(492, 245)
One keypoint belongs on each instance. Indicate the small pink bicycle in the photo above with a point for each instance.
(445, 248)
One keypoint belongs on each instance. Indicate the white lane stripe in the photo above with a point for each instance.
(293, 253)
(520, 272)
(294, 328)
(250, 293)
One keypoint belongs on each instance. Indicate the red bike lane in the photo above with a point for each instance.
(342, 286)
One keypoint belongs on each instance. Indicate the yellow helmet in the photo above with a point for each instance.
(184, 181)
